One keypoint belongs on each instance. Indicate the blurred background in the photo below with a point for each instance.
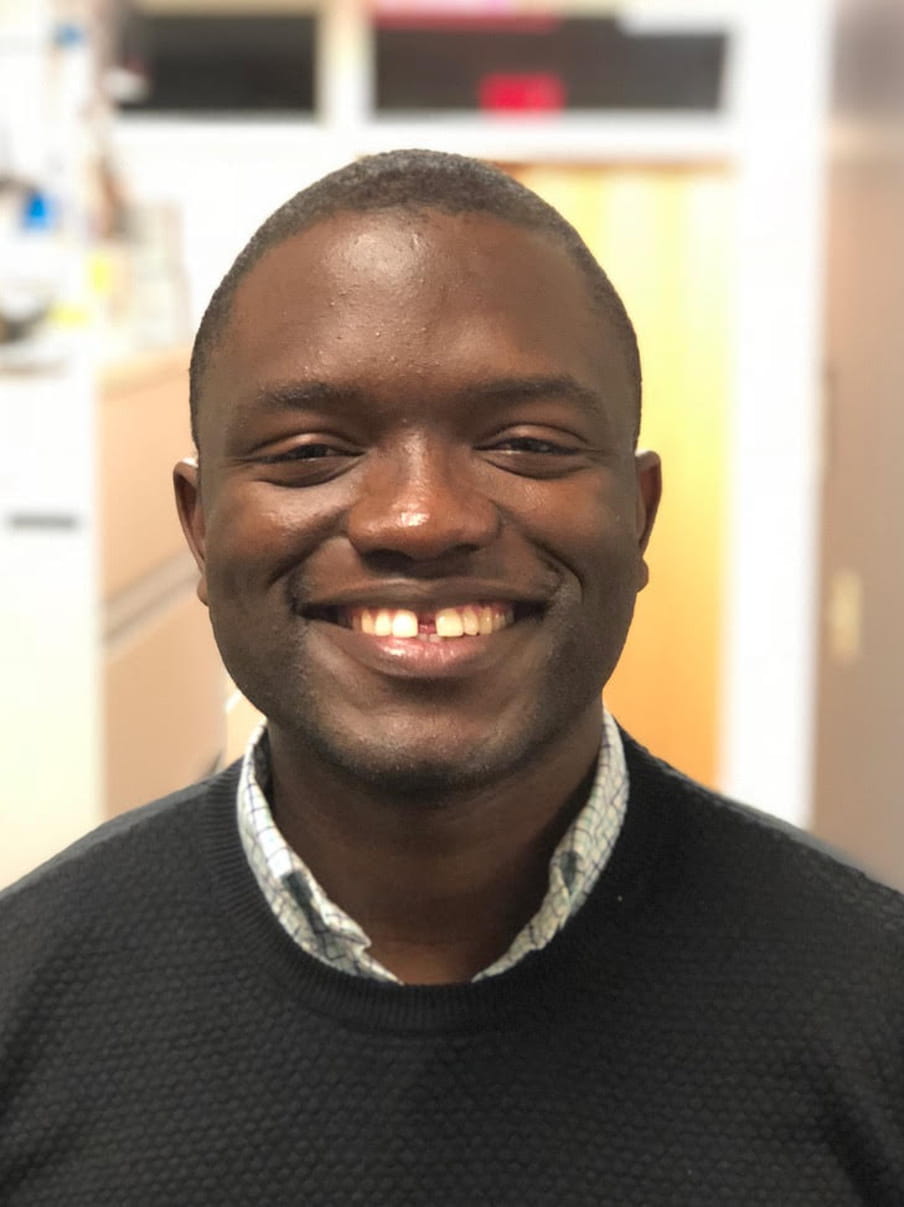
(738, 169)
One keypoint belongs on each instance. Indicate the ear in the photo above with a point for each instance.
(648, 469)
(187, 485)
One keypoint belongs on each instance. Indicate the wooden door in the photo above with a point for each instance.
(664, 237)
(860, 711)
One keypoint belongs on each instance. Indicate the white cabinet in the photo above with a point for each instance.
(111, 688)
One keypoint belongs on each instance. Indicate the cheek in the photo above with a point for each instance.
(593, 534)
(258, 534)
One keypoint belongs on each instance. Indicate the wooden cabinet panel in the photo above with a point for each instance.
(164, 703)
(144, 430)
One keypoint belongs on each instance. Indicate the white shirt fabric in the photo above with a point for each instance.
(325, 931)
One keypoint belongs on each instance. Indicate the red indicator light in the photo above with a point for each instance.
(537, 92)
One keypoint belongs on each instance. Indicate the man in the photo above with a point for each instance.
(446, 935)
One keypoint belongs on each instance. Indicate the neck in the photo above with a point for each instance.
(440, 890)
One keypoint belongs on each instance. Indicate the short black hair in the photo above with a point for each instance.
(414, 180)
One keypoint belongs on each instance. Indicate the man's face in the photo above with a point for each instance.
(415, 425)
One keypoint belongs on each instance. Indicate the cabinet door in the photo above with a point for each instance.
(164, 703)
(164, 683)
(143, 431)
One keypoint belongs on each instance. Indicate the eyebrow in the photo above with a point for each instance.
(307, 395)
(314, 394)
(525, 389)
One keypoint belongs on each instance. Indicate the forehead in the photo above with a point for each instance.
(393, 301)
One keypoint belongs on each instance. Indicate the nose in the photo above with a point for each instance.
(419, 501)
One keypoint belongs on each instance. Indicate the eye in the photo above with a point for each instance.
(533, 456)
(309, 463)
(531, 444)
(304, 452)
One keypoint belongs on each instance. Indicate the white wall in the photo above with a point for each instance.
(771, 605)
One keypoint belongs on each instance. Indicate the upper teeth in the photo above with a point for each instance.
(470, 620)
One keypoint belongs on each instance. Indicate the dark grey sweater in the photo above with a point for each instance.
(722, 1023)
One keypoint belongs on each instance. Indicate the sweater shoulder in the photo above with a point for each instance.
(751, 868)
(139, 856)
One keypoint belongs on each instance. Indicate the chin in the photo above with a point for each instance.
(413, 774)
(423, 771)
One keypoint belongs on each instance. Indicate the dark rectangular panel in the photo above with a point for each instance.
(598, 65)
(232, 63)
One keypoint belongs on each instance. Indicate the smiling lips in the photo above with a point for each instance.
(425, 641)
(467, 620)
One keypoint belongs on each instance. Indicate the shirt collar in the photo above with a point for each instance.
(324, 930)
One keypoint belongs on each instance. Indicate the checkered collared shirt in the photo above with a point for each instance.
(325, 931)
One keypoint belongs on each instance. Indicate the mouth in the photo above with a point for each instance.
(425, 642)
(434, 626)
